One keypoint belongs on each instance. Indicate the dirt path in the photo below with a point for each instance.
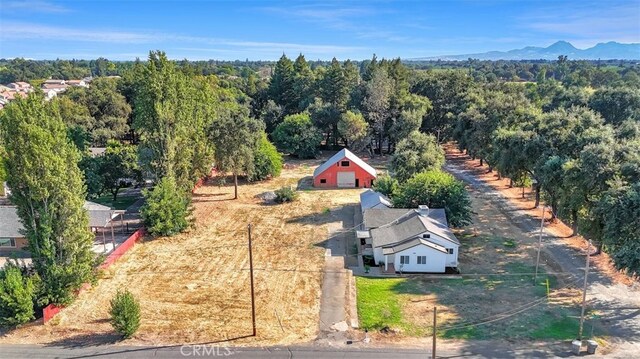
(618, 304)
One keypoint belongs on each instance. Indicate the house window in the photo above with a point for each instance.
(422, 259)
(450, 250)
(323, 180)
(426, 235)
(404, 259)
(7, 242)
(344, 163)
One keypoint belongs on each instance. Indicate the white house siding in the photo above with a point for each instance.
(452, 259)
(436, 260)
(378, 256)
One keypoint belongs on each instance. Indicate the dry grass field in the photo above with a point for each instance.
(194, 287)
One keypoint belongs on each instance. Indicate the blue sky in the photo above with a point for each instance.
(226, 30)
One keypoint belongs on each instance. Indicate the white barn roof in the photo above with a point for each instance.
(345, 153)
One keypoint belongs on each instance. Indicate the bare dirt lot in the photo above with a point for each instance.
(194, 287)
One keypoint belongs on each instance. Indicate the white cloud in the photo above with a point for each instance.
(33, 6)
(243, 48)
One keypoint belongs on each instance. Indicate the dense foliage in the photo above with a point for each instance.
(436, 189)
(298, 136)
(166, 208)
(48, 190)
(17, 293)
(417, 153)
(267, 160)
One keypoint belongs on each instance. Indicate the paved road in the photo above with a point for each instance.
(618, 305)
(484, 350)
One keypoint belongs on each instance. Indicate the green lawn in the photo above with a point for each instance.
(122, 202)
(382, 303)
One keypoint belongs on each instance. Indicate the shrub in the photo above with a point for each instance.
(386, 185)
(285, 194)
(267, 161)
(166, 209)
(16, 296)
(125, 314)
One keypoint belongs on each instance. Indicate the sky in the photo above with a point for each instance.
(264, 30)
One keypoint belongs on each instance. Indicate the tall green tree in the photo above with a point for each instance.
(417, 153)
(298, 136)
(48, 190)
(353, 129)
(118, 166)
(235, 137)
(281, 87)
(172, 115)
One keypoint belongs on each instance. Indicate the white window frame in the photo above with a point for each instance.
(422, 259)
(449, 250)
(405, 260)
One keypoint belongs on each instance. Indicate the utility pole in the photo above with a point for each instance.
(433, 349)
(584, 291)
(253, 299)
(535, 278)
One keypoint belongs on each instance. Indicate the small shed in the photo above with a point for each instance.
(371, 199)
(344, 170)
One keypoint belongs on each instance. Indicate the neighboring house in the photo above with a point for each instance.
(10, 226)
(344, 169)
(55, 87)
(409, 240)
(54, 82)
(49, 94)
(20, 86)
(77, 83)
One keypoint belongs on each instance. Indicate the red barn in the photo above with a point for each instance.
(344, 169)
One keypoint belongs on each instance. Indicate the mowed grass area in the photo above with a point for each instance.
(405, 306)
(121, 203)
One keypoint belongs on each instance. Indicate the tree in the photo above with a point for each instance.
(172, 114)
(125, 314)
(118, 165)
(166, 208)
(436, 189)
(17, 294)
(353, 129)
(413, 108)
(617, 104)
(620, 209)
(414, 154)
(108, 109)
(267, 160)
(91, 168)
(281, 86)
(298, 135)
(48, 190)
(235, 138)
(386, 185)
(376, 103)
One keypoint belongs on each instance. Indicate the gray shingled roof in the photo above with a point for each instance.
(408, 225)
(9, 223)
(372, 199)
(376, 217)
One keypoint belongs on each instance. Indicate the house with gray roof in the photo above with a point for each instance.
(409, 240)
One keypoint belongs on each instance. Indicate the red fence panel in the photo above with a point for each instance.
(51, 310)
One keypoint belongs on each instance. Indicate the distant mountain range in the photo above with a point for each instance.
(604, 51)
